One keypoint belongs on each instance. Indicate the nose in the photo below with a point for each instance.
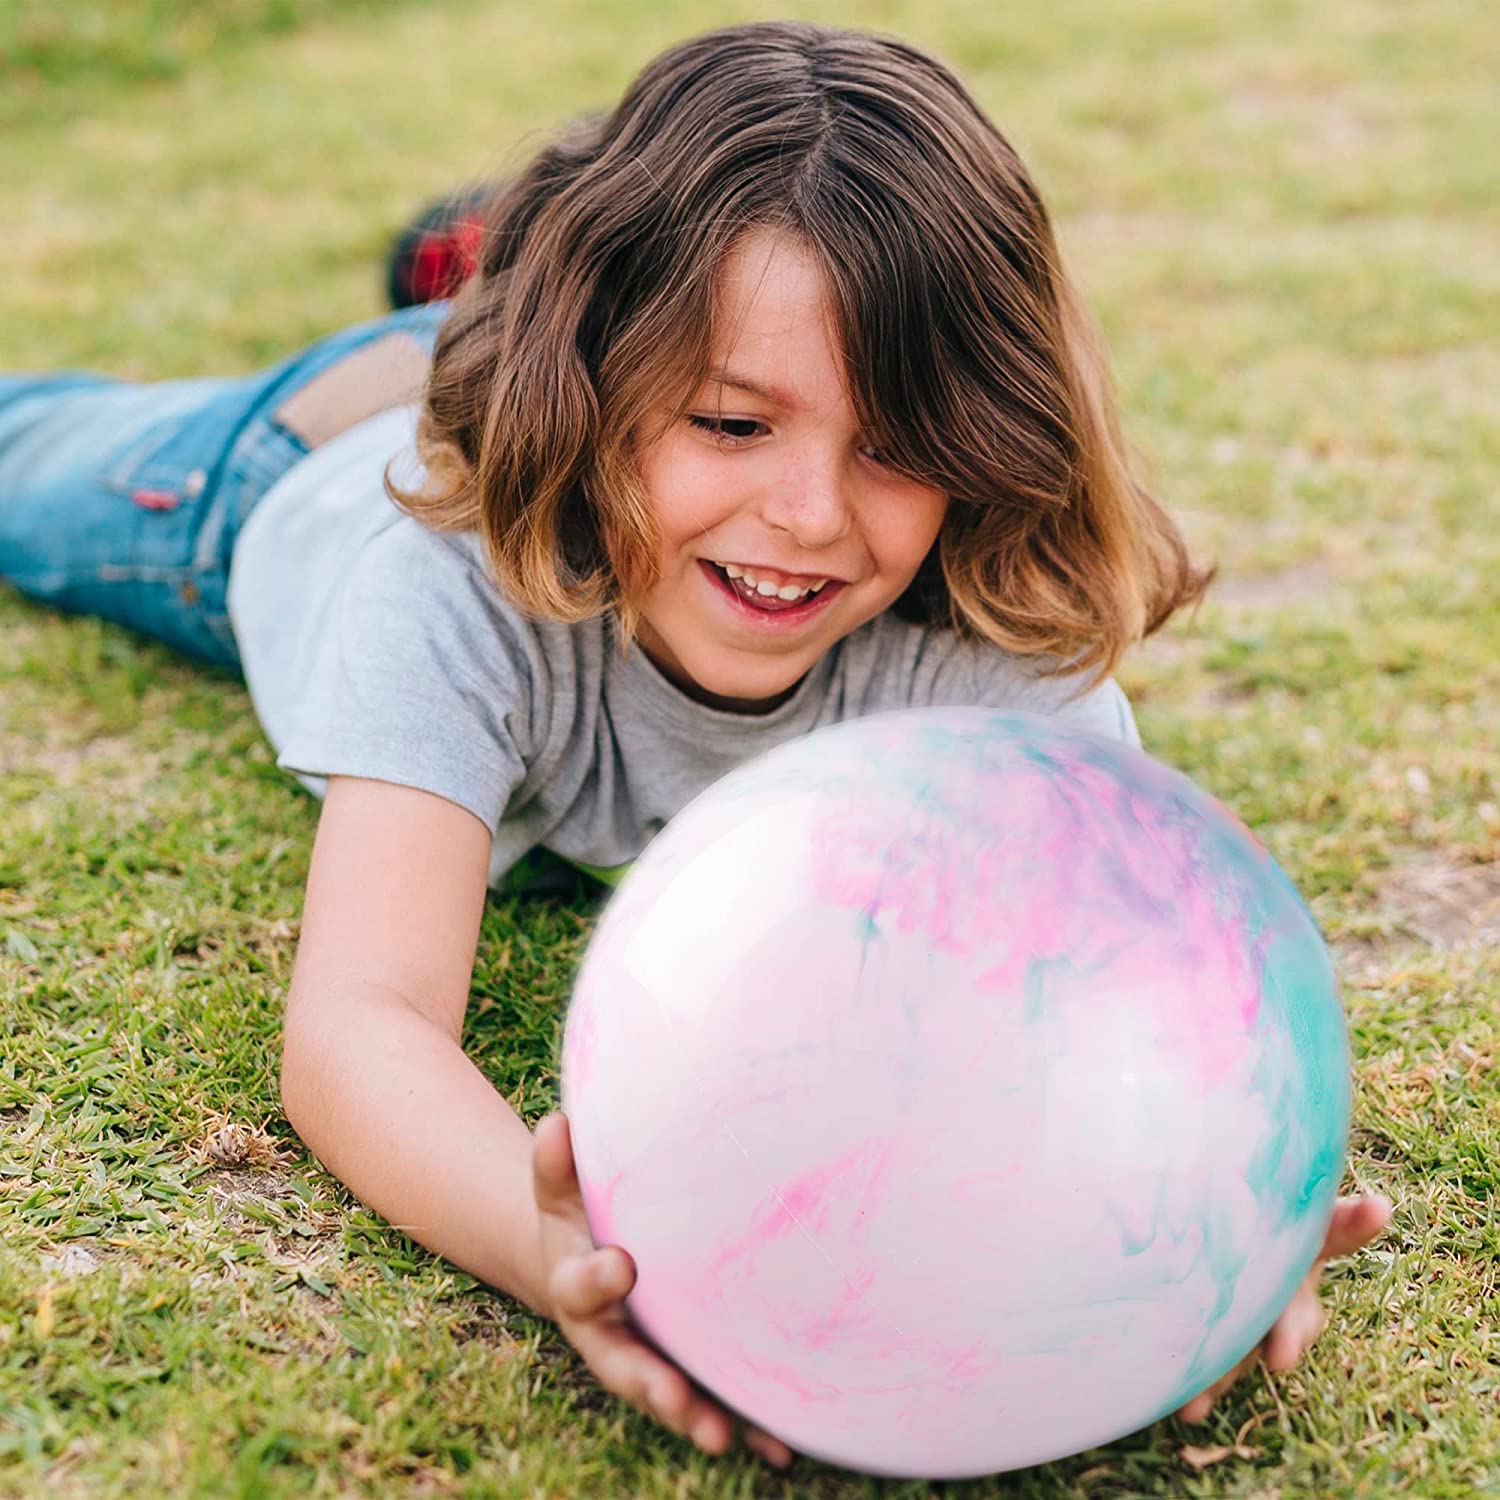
(810, 499)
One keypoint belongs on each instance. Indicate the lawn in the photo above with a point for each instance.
(1287, 218)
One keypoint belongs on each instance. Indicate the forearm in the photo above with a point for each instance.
(394, 1109)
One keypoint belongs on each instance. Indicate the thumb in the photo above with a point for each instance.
(554, 1177)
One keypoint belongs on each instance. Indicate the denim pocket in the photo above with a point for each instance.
(189, 481)
(192, 475)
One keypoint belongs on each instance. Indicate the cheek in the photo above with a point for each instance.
(681, 490)
(911, 526)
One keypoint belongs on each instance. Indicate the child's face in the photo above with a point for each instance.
(795, 493)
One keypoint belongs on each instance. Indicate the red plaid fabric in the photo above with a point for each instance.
(437, 252)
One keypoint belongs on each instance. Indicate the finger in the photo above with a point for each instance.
(675, 1401)
(1200, 1406)
(1355, 1222)
(773, 1450)
(1296, 1331)
(677, 1404)
(628, 1368)
(586, 1286)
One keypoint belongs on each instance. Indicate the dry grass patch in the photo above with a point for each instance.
(1432, 898)
(1291, 586)
(68, 760)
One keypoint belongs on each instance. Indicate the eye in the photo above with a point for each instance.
(720, 427)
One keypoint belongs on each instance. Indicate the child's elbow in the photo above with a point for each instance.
(298, 1074)
(290, 1084)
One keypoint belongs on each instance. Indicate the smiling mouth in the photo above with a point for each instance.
(765, 595)
(778, 578)
(754, 602)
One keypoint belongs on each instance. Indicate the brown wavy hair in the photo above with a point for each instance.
(966, 347)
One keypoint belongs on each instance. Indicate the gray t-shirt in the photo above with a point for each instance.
(376, 647)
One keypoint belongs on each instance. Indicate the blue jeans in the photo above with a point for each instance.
(123, 499)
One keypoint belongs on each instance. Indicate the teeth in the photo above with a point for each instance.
(766, 589)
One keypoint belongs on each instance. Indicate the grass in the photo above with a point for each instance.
(1286, 219)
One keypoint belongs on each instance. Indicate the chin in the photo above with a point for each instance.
(752, 684)
(749, 688)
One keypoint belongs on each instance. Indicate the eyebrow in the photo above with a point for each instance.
(771, 393)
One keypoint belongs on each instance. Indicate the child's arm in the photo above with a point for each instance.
(376, 1083)
(401, 1115)
(373, 1077)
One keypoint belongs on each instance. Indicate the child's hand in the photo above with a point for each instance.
(587, 1289)
(1356, 1221)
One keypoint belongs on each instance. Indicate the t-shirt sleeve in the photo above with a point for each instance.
(420, 677)
(948, 672)
(1104, 710)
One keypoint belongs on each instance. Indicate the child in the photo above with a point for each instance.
(768, 405)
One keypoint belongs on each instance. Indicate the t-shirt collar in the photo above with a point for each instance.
(648, 684)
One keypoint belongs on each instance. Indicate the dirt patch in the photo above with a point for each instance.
(1252, 591)
(1323, 121)
(269, 1188)
(267, 1205)
(260, 1197)
(59, 765)
(67, 760)
(486, 1323)
(275, 941)
(1435, 900)
(1445, 903)
(72, 1260)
